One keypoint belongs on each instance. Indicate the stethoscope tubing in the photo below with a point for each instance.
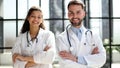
(69, 38)
(68, 35)
(28, 42)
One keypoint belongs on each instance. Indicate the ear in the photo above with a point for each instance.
(84, 13)
(28, 18)
(42, 21)
(68, 15)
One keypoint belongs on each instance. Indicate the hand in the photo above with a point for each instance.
(29, 64)
(67, 55)
(20, 57)
(46, 48)
(95, 50)
(14, 57)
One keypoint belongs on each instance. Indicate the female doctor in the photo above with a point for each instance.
(35, 46)
(80, 51)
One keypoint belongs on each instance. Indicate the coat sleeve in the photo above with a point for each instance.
(61, 44)
(96, 60)
(46, 57)
(17, 49)
(19, 64)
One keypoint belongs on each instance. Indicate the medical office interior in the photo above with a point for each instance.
(103, 16)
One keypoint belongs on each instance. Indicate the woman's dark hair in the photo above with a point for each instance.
(26, 25)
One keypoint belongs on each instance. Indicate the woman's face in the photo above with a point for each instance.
(35, 19)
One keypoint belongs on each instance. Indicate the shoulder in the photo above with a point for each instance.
(46, 32)
(90, 31)
(62, 35)
(22, 35)
(96, 34)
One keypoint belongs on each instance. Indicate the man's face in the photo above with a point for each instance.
(76, 15)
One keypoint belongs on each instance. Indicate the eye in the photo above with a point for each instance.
(70, 13)
(39, 17)
(33, 16)
(79, 12)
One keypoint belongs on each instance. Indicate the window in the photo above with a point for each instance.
(102, 16)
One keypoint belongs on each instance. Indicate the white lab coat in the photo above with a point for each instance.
(43, 59)
(79, 49)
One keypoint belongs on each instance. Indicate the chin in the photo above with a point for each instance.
(76, 24)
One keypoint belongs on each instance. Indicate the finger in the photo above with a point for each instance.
(61, 53)
(14, 57)
(95, 50)
(47, 47)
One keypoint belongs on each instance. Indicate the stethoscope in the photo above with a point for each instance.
(68, 38)
(28, 42)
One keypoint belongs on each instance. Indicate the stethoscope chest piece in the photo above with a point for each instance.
(71, 48)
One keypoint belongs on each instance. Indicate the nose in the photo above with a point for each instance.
(35, 18)
(74, 15)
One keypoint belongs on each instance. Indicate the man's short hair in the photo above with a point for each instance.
(76, 2)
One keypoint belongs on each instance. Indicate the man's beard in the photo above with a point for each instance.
(76, 24)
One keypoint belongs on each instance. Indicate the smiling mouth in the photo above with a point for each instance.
(75, 19)
(35, 22)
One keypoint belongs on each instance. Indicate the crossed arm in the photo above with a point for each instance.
(29, 59)
(67, 55)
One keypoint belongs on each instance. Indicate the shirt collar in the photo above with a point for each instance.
(75, 30)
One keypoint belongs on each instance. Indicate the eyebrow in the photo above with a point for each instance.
(72, 11)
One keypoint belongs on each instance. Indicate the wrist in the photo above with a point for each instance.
(28, 59)
(26, 66)
(25, 58)
(76, 59)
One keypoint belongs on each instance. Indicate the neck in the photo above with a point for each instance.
(34, 32)
(78, 26)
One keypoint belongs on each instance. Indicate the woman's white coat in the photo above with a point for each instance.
(43, 59)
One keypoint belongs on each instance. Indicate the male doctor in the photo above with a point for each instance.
(77, 46)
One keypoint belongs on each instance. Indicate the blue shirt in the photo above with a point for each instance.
(78, 32)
